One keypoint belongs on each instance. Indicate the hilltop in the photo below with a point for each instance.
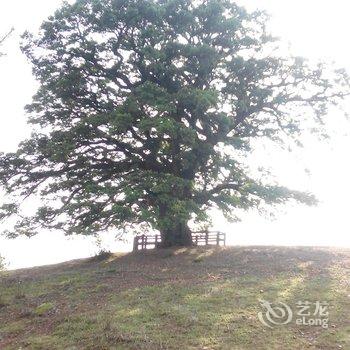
(198, 298)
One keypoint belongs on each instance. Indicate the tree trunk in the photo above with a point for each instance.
(178, 236)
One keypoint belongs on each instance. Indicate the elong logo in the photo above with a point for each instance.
(308, 313)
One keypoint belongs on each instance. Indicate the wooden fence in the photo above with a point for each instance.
(202, 238)
(209, 238)
(143, 242)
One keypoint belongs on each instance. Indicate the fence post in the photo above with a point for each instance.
(206, 237)
(136, 245)
(218, 238)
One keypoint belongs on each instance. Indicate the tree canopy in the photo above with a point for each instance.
(146, 109)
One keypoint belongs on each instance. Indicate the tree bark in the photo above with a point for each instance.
(178, 236)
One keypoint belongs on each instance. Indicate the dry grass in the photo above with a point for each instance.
(200, 298)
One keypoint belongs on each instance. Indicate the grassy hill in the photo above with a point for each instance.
(200, 298)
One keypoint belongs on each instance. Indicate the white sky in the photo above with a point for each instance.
(315, 29)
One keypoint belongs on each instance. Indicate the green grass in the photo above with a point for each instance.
(184, 302)
(43, 309)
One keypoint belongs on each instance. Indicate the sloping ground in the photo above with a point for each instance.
(200, 298)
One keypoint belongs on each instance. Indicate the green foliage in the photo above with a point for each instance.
(146, 109)
(102, 255)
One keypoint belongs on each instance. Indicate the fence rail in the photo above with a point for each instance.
(199, 238)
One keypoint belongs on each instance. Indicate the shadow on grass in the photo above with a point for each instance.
(196, 299)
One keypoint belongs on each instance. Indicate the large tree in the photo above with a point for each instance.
(2, 40)
(146, 110)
